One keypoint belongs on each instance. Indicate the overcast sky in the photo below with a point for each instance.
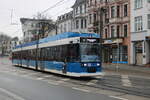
(26, 9)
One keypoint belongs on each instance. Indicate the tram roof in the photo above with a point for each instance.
(59, 37)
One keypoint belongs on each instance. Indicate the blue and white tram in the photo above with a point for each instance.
(71, 54)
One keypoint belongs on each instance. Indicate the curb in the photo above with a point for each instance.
(138, 69)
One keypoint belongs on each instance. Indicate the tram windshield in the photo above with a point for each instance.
(90, 52)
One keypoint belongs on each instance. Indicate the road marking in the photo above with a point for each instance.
(99, 77)
(83, 90)
(40, 78)
(125, 81)
(16, 97)
(53, 83)
(47, 76)
(118, 98)
(63, 80)
(92, 82)
(30, 74)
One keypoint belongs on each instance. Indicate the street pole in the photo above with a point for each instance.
(101, 12)
(101, 31)
(37, 46)
(117, 66)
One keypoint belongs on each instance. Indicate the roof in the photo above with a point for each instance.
(78, 2)
(38, 20)
(59, 37)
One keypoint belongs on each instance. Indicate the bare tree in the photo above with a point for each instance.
(41, 16)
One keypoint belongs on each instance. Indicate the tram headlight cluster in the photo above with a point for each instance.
(85, 65)
(98, 64)
(90, 64)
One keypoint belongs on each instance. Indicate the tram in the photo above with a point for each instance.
(70, 54)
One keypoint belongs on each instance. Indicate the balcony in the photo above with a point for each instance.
(81, 15)
(115, 20)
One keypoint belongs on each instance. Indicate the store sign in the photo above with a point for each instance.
(89, 40)
(108, 41)
(113, 41)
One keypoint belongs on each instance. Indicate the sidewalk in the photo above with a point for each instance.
(126, 67)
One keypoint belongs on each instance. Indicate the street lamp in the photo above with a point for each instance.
(101, 12)
(37, 44)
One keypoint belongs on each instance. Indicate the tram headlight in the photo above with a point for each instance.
(98, 64)
(85, 65)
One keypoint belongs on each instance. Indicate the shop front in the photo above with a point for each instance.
(141, 52)
(115, 52)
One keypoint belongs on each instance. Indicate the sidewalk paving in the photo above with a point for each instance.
(126, 67)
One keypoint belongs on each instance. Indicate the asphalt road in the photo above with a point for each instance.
(18, 83)
(29, 89)
(15, 87)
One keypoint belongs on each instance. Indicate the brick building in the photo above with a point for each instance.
(113, 18)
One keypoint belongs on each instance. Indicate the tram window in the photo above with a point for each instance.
(73, 52)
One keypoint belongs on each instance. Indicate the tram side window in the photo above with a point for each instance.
(73, 52)
(43, 53)
(64, 52)
(33, 54)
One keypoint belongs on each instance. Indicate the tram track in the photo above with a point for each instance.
(112, 87)
(105, 83)
(109, 83)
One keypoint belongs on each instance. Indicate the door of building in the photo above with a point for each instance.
(106, 54)
(139, 54)
(139, 59)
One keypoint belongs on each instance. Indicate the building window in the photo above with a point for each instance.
(138, 23)
(112, 31)
(77, 24)
(82, 23)
(106, 33)
(95, 17)
(138, 4)
(118, 31)
(85, 8)
(85, 23)
(81, 9)
(76, 10)
(90, 18)
(118, 11)
(125, 10)
(125, 30)
(148, 21)
(112, 11)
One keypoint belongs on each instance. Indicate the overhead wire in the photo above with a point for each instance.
(59, 3)
(53, 6)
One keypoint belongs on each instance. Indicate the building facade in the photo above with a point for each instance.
(80, 16)
(140, 32)
(111, 18)
(5, 48)
(36, 28)
(65, 23)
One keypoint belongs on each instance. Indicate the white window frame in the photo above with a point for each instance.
(113, 27)
(138, 24)
(113, 14)
(138, 4)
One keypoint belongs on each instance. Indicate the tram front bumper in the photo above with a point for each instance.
(86, 74)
